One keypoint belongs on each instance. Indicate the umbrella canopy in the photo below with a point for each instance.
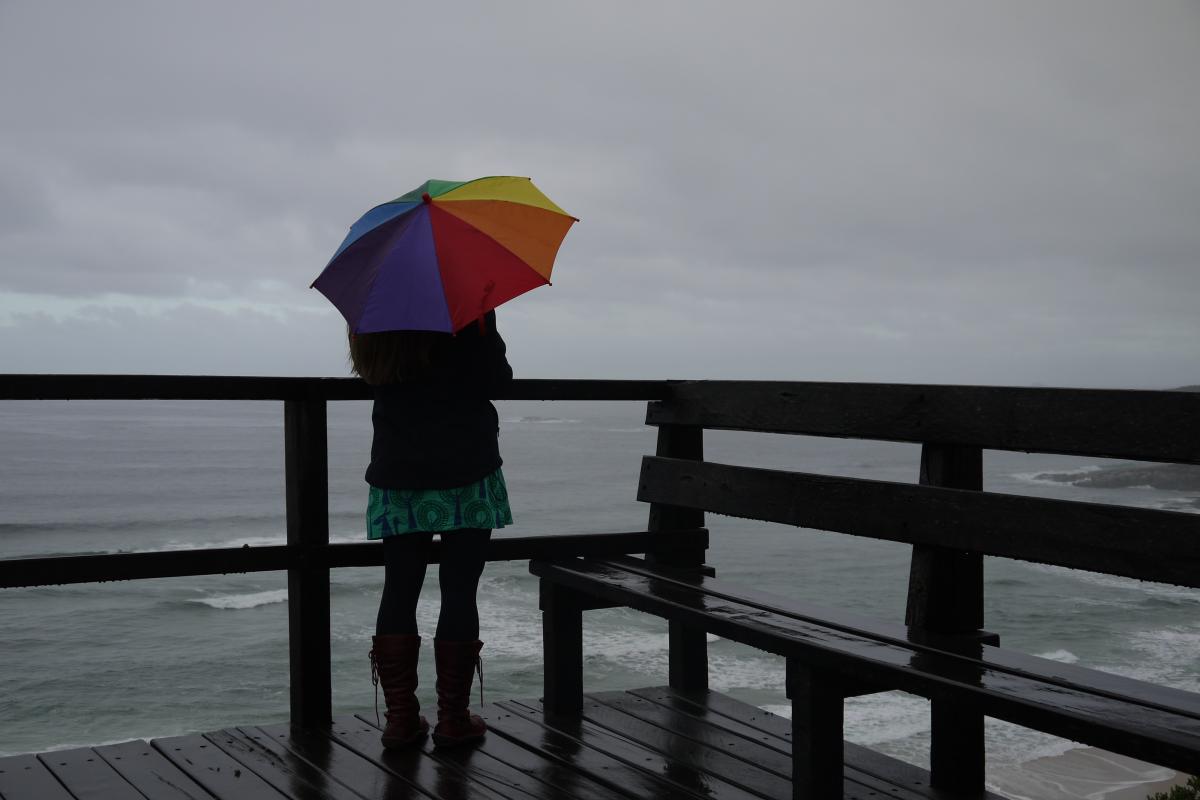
(444, 254)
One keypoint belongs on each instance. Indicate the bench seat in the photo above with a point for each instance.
(834, 654)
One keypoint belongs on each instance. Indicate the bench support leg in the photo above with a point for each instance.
(817, 722)
(957, 758)
(688, 665)
(562, 649)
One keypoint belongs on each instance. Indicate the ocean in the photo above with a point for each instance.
(98, 663)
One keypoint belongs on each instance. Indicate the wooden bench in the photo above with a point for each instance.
(941, 652)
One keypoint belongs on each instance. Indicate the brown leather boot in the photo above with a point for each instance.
(394, 664)
(456, 663)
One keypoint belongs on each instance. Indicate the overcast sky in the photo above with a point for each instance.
(957, 192)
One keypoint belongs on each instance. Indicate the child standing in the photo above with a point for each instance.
(435, 468)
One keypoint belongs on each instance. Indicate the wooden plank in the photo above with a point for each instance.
(668, 709)
(151, 774)
(415, 770)
(59, 570)
(602, 755)
(219, 773)
(289, 774)
(26, 778)
(1067, 675)
(339, 763)
(739, 719)
(306, 467)
(516, 770)
(586, 389)
(1128, 424)
(1137, 543)
(223, 387)
(1140, 425)
(659, 706)
(178, 387)
(523, 548)
(87, 776)
(692, 749)
(875, 771)
(1162, 737)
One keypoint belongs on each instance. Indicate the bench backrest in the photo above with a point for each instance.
(947, 517)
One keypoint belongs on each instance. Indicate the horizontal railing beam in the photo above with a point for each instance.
(58, 570)
(178, 387)
(1107, 423)
(216, 387)
(1140, 543)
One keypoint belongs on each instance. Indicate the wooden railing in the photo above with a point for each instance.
(953, 423)
(308, 555)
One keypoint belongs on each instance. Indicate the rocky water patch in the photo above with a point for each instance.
(1169, 477)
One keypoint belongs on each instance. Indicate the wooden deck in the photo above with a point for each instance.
(644, 743)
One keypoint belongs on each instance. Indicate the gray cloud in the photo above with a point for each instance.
(931, 191)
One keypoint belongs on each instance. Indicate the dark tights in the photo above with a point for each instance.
(404, 557)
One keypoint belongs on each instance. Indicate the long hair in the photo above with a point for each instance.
(393, 356)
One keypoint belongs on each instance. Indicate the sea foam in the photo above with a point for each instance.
(240, 601)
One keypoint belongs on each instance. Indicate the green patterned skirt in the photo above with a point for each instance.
(482, 504)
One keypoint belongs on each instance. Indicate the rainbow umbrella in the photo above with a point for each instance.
(444, 254)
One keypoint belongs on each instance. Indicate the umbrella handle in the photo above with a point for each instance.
(487, 292)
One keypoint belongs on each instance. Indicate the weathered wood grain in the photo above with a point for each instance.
(150, 773)
(223, 387)
(1132, 542)
(306, 477)
(25, 777)
(1097, 715)
(56, 570)
(1110, 423)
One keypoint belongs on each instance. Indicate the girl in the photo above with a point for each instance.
(435, 468)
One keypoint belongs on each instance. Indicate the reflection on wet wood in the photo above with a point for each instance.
(656, 743)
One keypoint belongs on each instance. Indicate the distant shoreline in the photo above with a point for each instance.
(1170, 477)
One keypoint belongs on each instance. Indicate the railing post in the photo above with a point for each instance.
(945, 595)
(562, 648)
(307, 476)
(818, 719)
(688, 647)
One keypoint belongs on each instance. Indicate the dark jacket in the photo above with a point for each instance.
(440, 430)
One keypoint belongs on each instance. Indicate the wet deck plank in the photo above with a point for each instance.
(26, 777)
(209, 766)
(513, 771)
(148, 771)
(578, 755)
(643, 744)
(87, 776)
(863, 765)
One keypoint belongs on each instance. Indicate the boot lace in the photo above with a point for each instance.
(479, 669)
(375, 682)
